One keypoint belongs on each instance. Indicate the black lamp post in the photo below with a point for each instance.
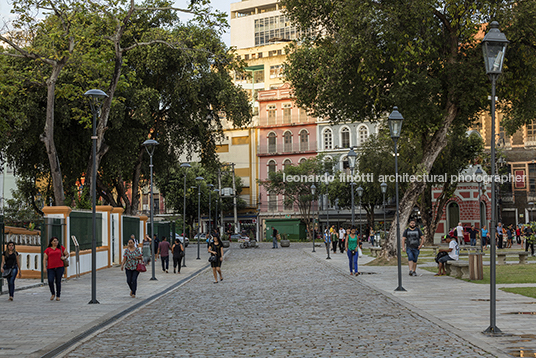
(186, 166)
(360, 194)
(478, 174)
(199, 180)
(327, 217)
(217, 191)
(395, 127)
(313, 191)
(96, 98)
(531, 204)
(351, 163)
(383, 187)
(210, 186)
(494, 47)
(150, 145)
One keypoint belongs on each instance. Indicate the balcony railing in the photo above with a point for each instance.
(282, 148)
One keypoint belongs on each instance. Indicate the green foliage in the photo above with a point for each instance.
(20, 211)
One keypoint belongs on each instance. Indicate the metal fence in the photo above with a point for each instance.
(81, 226)
(131, 225)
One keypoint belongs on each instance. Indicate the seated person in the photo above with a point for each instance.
(453, 254)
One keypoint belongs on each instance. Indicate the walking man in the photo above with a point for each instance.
(459, 233)
(274, 238)
(163, 251)
(499, 235)
(413, 241)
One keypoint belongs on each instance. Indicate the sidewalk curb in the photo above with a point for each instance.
(472, 339)
(63, 346)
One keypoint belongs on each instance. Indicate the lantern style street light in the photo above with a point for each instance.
(96, 98)
(313, 191)
(186, 166)
(395, 127)
(150, 145)
(493, 47)
(351, 163)
(383, 187)
(199, 180)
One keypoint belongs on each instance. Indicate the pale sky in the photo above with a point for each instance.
(222, 5)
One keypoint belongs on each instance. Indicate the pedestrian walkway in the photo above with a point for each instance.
(463, 306)
(37, 325)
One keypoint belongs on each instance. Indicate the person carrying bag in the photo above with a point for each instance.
(10, 267)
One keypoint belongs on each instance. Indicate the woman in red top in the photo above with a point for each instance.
(53, 261)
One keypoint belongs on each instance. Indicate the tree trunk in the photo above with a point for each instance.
(436, 144)
(135, 200)
(47, 137)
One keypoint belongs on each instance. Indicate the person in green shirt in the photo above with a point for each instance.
(352, 243)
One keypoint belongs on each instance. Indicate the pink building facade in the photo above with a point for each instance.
(287, 136)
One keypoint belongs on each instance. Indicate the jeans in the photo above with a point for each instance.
(473, 242)
(177, 262)
(413, 254)
(165, 262)
(55, 274)
(499, 241)
(484, 241)
(352, 260)
(11, 281)
(132, 280)
(274, 242)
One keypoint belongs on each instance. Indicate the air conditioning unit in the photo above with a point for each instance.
(227, 192)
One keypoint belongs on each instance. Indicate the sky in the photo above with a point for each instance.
(222, 5)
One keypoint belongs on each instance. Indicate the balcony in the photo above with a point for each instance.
(286, 148)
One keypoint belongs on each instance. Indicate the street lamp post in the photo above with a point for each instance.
(199, 180)
(210, 186)
(360, 194)
(313, 191)
(531, 205)
(186, 166)
(478, 174)
(395, 127)
(351, 163)
(383, 187)
(327, 220)
(217, 191)
(150, 145)
(494, 47)
(96, 98)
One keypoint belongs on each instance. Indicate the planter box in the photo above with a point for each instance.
(285, 243)
(226, 243)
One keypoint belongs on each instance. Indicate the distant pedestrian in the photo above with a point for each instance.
(352, 245)
(499, 236)
(11, 262)
(163, 252)
(156, 242)
(335, 240)
(274, 238)
(509, 236)
(53, 261)
(472, 235)
(371, 236)
(216, 249)
(413, 240)
(136, 241)
(459, 234)
(178, 254)
(530, 237)
(484, 237)
(518, 235)
(146, 249)
(131, 256)
(327, 240)
(342, 239)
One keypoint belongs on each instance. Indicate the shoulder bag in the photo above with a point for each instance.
(140, 267)
(7, 272)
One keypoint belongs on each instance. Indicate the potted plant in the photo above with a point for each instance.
(225, 240)
(285, 242)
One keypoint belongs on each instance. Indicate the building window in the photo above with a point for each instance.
(328, 139)
(362, 134)
(287, 113)
(259, 55)
(287, 137)
(286, 163)
(532, 178)
(271, 114)
(303, 115)
(276, 71)
(302, 160)
(287, 205)
(274, 27)
(258, 76)
(272, 166)
(272, 143)
(531, 132)
(345, 137)
(304, 140)
(246, 57)
(272, 202)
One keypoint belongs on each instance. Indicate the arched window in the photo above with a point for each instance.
(345, 137)
(287, 163)
(304, 140)
(328, 139)
(302, 160)
(453, 215)
(362, 134)
(272, 143)
(272, 166)
(287, 139)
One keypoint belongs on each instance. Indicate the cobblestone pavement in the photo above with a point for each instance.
(275, 303)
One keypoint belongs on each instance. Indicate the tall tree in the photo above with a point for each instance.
(424, 56)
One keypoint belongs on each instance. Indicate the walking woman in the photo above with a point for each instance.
(53, 261)
(131, 256)
(178, 254)
(146, 249)
(352, 243)
(484, 237)
(216, 249)
(11, 261)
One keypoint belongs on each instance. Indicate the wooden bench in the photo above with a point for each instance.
(374, 251)
(501, 256)
(458, 269)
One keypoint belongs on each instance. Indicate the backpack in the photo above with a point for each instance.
(440, 254)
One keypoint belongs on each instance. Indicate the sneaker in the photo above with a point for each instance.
(415, 273)
(411, 273)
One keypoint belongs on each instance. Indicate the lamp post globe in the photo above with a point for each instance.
(96, 98)
(395, 128)
(494, 48)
